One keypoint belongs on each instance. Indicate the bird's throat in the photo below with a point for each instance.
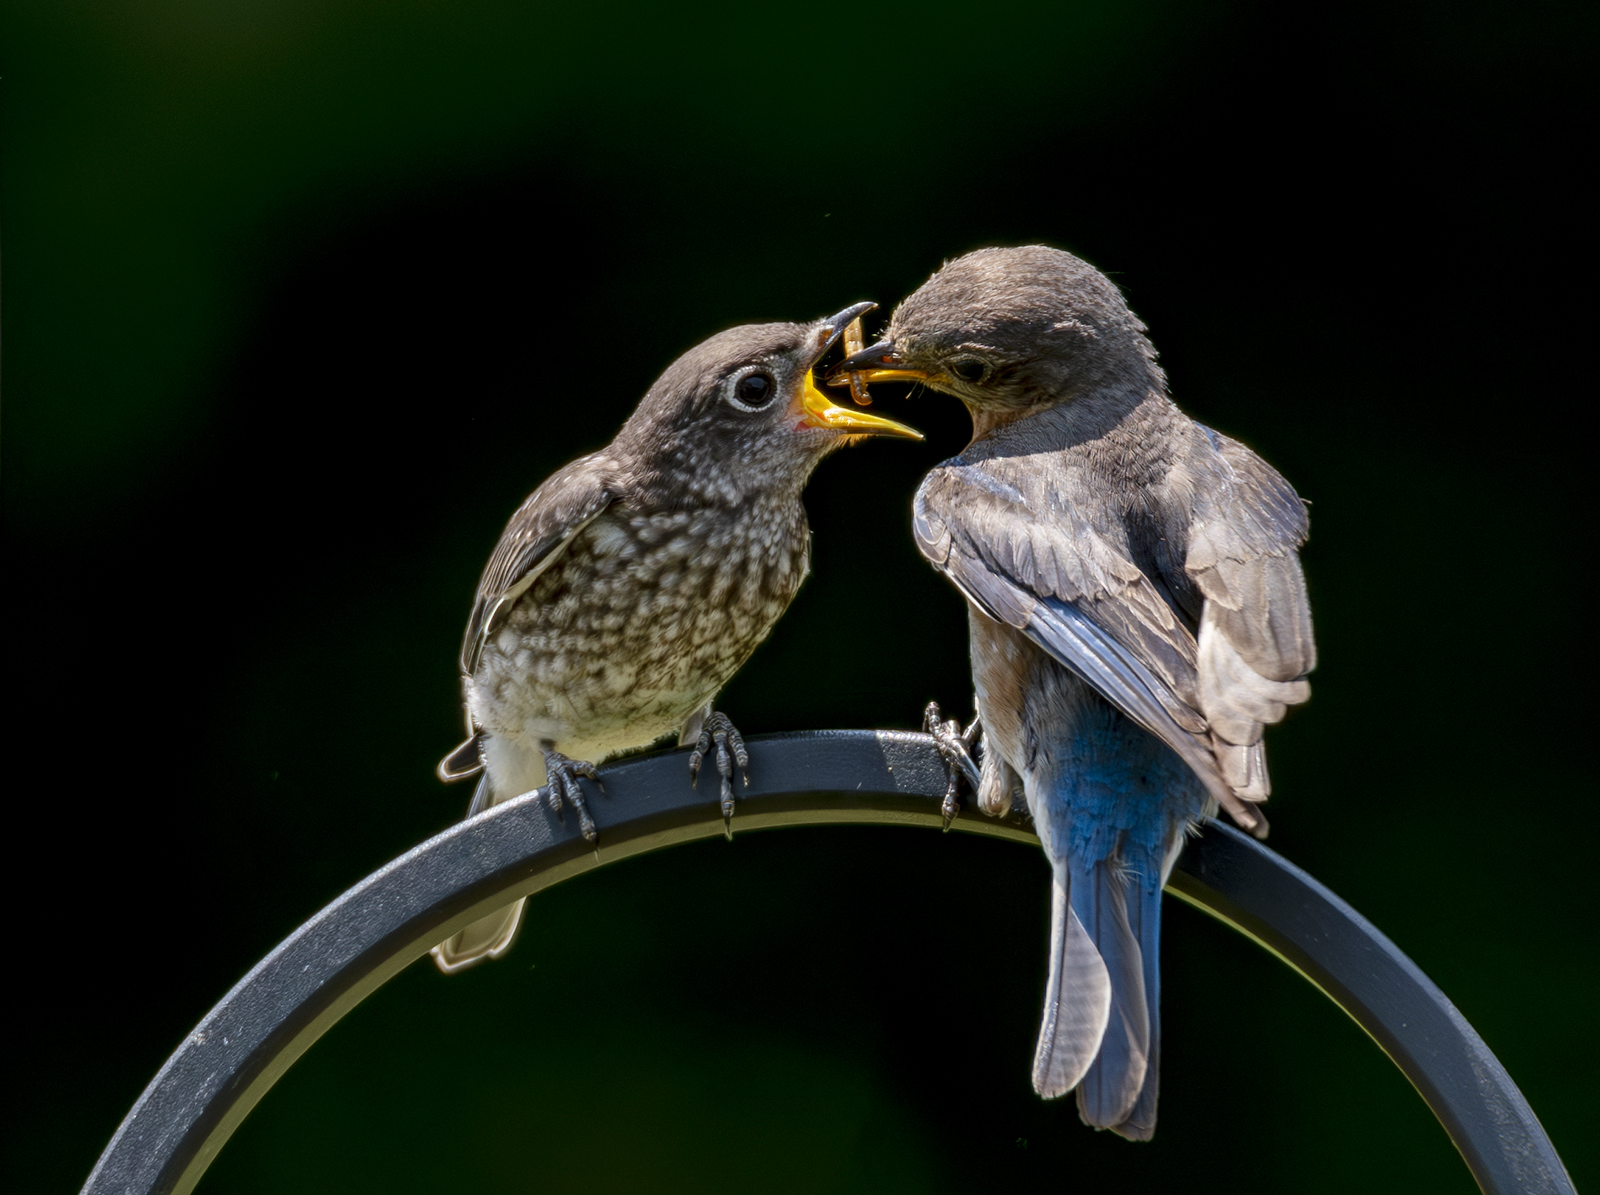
(986, 420)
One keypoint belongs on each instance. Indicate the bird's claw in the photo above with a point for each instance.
(562, 774)
(718, 730)
(956, 745)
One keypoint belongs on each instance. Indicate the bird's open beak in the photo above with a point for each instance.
(816, 409)
(830, 329)
(879, 362)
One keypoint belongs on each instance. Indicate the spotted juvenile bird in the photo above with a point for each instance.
(1137, 613)
(632, 585)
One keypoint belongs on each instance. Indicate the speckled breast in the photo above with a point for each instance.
(639, 623)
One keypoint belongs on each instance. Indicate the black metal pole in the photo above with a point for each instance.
(391, 918)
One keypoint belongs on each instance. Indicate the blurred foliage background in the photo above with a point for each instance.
(302, 298)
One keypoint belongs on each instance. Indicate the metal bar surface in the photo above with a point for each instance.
(391, 919)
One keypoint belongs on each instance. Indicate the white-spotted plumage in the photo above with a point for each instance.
(632, 585)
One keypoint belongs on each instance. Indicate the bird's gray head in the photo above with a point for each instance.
(741, 411)
(1013, 329)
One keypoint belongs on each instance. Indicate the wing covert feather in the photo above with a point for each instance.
(542, 527)
(975, 549)
(1066, 583)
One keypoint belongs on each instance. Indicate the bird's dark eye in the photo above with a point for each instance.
(755, 389)
(969, 369)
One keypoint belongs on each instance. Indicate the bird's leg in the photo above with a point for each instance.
(998, 786)
(719, 730)
(562, 775)
(956, 745)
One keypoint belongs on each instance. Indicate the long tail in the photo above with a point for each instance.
(1123, 913)
(488, 937)
(1077, 1001)
(1102, 1029)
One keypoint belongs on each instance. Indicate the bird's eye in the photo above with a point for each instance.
(754, 390)
(969, 369)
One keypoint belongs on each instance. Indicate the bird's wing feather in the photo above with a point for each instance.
(1061, 555)
(540, 530)
(1091, 610)
(1255, 642)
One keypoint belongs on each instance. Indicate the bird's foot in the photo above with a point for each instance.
(718, 730)
(562, 775)
(956, 745)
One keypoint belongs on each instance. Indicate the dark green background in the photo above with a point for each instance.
(302, 298)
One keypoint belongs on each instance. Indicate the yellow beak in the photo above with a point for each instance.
(879, 363)
(817, 410)
(888, 375)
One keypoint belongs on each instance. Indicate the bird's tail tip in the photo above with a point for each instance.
(1128, 1130)
(488, 937)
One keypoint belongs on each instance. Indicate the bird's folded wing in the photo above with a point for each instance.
(543, 526)
(1067, 588)
(1255, 641)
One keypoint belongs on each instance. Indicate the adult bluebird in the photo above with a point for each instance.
(1137, 614)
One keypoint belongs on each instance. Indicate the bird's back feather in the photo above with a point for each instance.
(1029, 539)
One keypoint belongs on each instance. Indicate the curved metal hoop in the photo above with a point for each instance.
(391, 918)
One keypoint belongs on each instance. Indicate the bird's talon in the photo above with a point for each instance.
(564, 789)
(950, 807)
(740, 755)
(719, 733)
(956, 747)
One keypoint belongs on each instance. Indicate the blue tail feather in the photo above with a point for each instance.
(1111, 907)
(1114, 805)
(1077, 998)
(1141, 1122)
(1108, 1098)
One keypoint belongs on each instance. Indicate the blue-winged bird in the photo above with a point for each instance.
(1137, 614)
(631, 585)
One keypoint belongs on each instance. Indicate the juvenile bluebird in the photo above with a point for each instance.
(1137, 614)
(632, 585)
